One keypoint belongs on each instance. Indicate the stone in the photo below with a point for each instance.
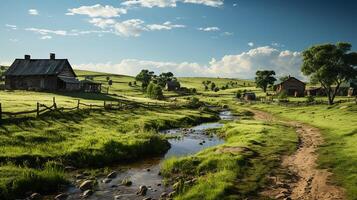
(86, 185)
(35, 196)
(142, 190)
(80, 176)
(69, 168)
(200, 143)
(159, 184)
(164, 194)
(87, 193)
(126, 182)
(148, 169)
(107, 180)
(112, 174)
(62, 196)
(171, 194)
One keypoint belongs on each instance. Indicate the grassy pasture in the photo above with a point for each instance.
(338, 124)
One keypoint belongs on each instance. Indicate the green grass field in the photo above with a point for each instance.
(97, 138)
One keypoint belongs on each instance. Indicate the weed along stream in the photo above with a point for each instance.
(142, 179)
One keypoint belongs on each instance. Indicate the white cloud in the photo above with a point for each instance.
(101, 22)
(209, 29)
(5, 63)
(46, 37)
(47, 31)
(227, 33)
(242, 65)
(97, 11)
(251, 44)
(13, 40)
(165, 26)
(130, 28)
(170, 3)
(33, 12)
(13, 27)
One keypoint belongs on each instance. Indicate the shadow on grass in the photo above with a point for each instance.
(87, 96)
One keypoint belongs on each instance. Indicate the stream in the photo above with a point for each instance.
(146, 172)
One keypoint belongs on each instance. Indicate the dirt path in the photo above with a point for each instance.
(298, 176)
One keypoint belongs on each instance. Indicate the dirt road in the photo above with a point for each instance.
(298, 176)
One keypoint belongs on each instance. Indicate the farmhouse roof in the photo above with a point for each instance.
(26, 67)
(290, 78)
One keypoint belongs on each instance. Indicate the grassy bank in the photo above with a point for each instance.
(338, 124)
(82, 139)
(236, 169)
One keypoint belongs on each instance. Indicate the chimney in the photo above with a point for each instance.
(52, 56)
(27, 57)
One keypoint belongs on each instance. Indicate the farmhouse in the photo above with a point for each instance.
(172, 85)
(292, 87)
(41, 74)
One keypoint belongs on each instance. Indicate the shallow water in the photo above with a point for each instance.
(146, 172)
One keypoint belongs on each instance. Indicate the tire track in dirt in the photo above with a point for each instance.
(298, 177)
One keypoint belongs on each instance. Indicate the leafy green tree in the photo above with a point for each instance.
(144, 77)
(264, 78)
(283, 78)
(330, 65)
(213, 86)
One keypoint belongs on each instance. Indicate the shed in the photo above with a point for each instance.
(292, 87)
(41, 74)
(249, 96)
(91, 86)
(172, 85)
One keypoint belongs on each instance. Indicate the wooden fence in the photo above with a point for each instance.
(106, 105)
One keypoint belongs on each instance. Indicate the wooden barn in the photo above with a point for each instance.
(292, 87)
(41, 74)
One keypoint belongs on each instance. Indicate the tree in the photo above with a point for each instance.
(264, 78)
(163, 78)
(144, 77)
(330, 65)
(283, 78)
(154, 91)
(213, 86)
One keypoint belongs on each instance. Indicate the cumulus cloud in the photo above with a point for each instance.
(209, 29)
(242, 65)
(101, 22)
(33, 12)
(170, 3)
(47, 31)
(97, 11)
(251, 44)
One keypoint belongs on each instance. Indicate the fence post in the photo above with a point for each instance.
(54, 103)
(78, 104)
(38, 110)
(0, 112)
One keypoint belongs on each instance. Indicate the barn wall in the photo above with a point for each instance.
(31, 82)
(291, 86)
(67, 71)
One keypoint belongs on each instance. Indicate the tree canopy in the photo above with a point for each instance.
(330, 65)
(264, 78)
(144, 77)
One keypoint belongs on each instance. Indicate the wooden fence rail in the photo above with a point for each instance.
(107, 105)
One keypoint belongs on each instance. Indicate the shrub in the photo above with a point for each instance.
(194, 102)
(282, 97)
(154, 91)
(216, 89)
(130, 84)
(310, 99)
(239, 94)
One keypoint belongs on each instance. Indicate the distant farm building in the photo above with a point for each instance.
(249, 96)
(292, 87)
(41, 74)
(172, 85)
(91, 86)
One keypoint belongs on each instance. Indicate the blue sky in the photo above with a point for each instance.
(188, 37)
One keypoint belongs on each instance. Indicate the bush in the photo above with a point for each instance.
(282, 97)
(194, 102)
(130, 84)
(310, 99)
(154, 91)
(216, 89)
(239, 94)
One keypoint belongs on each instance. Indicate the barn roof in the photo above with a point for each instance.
(289, 79)
(26, 67)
